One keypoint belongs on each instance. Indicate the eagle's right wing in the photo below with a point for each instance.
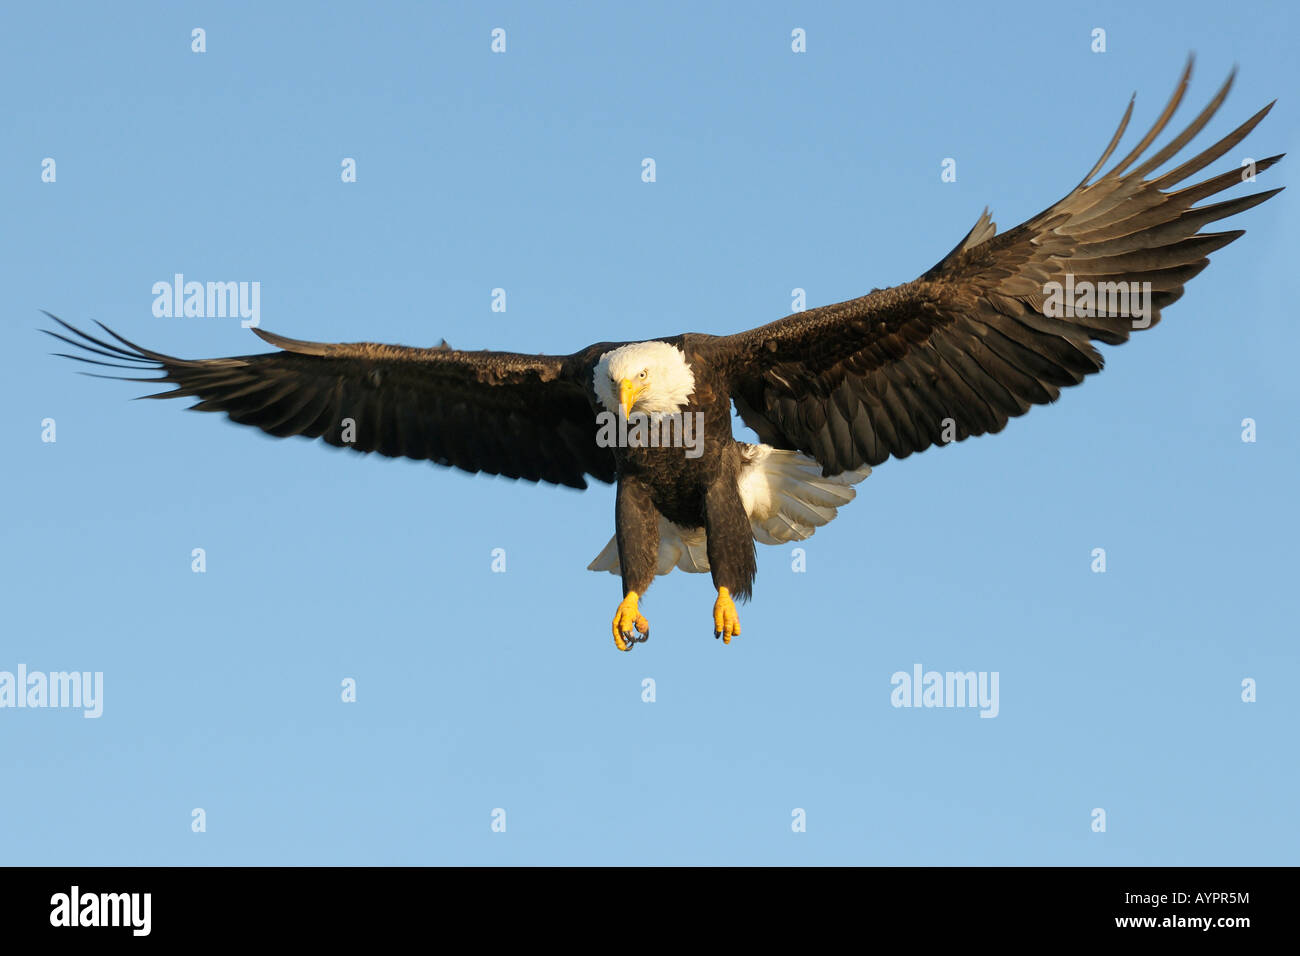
(522, 416)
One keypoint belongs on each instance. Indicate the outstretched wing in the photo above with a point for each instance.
(985, 334)
(522, 416)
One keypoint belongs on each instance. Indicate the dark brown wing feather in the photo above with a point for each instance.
(970, 345)
(522, 416)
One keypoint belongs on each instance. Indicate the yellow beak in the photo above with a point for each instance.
(628, 392)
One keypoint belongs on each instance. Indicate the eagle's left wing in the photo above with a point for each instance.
(978, 339)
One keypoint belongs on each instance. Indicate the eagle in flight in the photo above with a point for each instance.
(1003, 322)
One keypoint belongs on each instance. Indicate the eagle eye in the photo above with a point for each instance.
(644, 373)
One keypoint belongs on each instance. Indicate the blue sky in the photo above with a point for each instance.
(479, 690)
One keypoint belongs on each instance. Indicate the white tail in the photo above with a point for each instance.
(785, 496)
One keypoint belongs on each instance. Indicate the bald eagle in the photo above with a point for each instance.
(1003, 322)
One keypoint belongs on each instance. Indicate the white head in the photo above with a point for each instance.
(650, 377)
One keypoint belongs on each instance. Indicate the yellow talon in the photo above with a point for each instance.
(726, 623)
(625, 618)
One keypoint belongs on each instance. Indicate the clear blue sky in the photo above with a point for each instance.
(478, 690)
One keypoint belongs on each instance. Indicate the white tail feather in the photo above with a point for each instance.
(784, 494)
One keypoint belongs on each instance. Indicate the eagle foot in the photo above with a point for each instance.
(626, 618)
(726, 622)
